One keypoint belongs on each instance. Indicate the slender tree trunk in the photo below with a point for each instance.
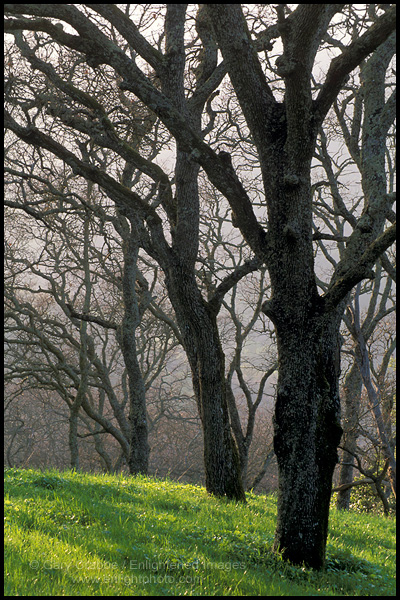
(307, 432)
(83, 351)
(374, 403)
(242, 441)
(73, 438)
(351, 402)
(139, 449)
(203, 348)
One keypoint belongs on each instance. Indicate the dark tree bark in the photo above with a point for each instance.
(307, 433)
(200, 336)
(196, 321)
(307, 413)
(139, 450)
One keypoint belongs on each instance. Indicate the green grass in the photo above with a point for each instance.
(79, 534)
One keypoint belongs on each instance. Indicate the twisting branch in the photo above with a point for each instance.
(232, 279)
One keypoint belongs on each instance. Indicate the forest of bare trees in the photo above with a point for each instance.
(199, 262)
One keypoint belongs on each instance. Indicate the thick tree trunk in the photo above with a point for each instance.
(199, 330)
(307, 433)
(307, 427)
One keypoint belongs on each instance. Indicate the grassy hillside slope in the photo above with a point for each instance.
(77, 534)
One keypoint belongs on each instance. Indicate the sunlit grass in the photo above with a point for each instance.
(80, 534)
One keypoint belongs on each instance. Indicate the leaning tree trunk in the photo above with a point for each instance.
(221, 457)
(200, 336)
(307, 432)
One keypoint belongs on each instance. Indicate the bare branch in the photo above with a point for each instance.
(360, 270)
(350, 58)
